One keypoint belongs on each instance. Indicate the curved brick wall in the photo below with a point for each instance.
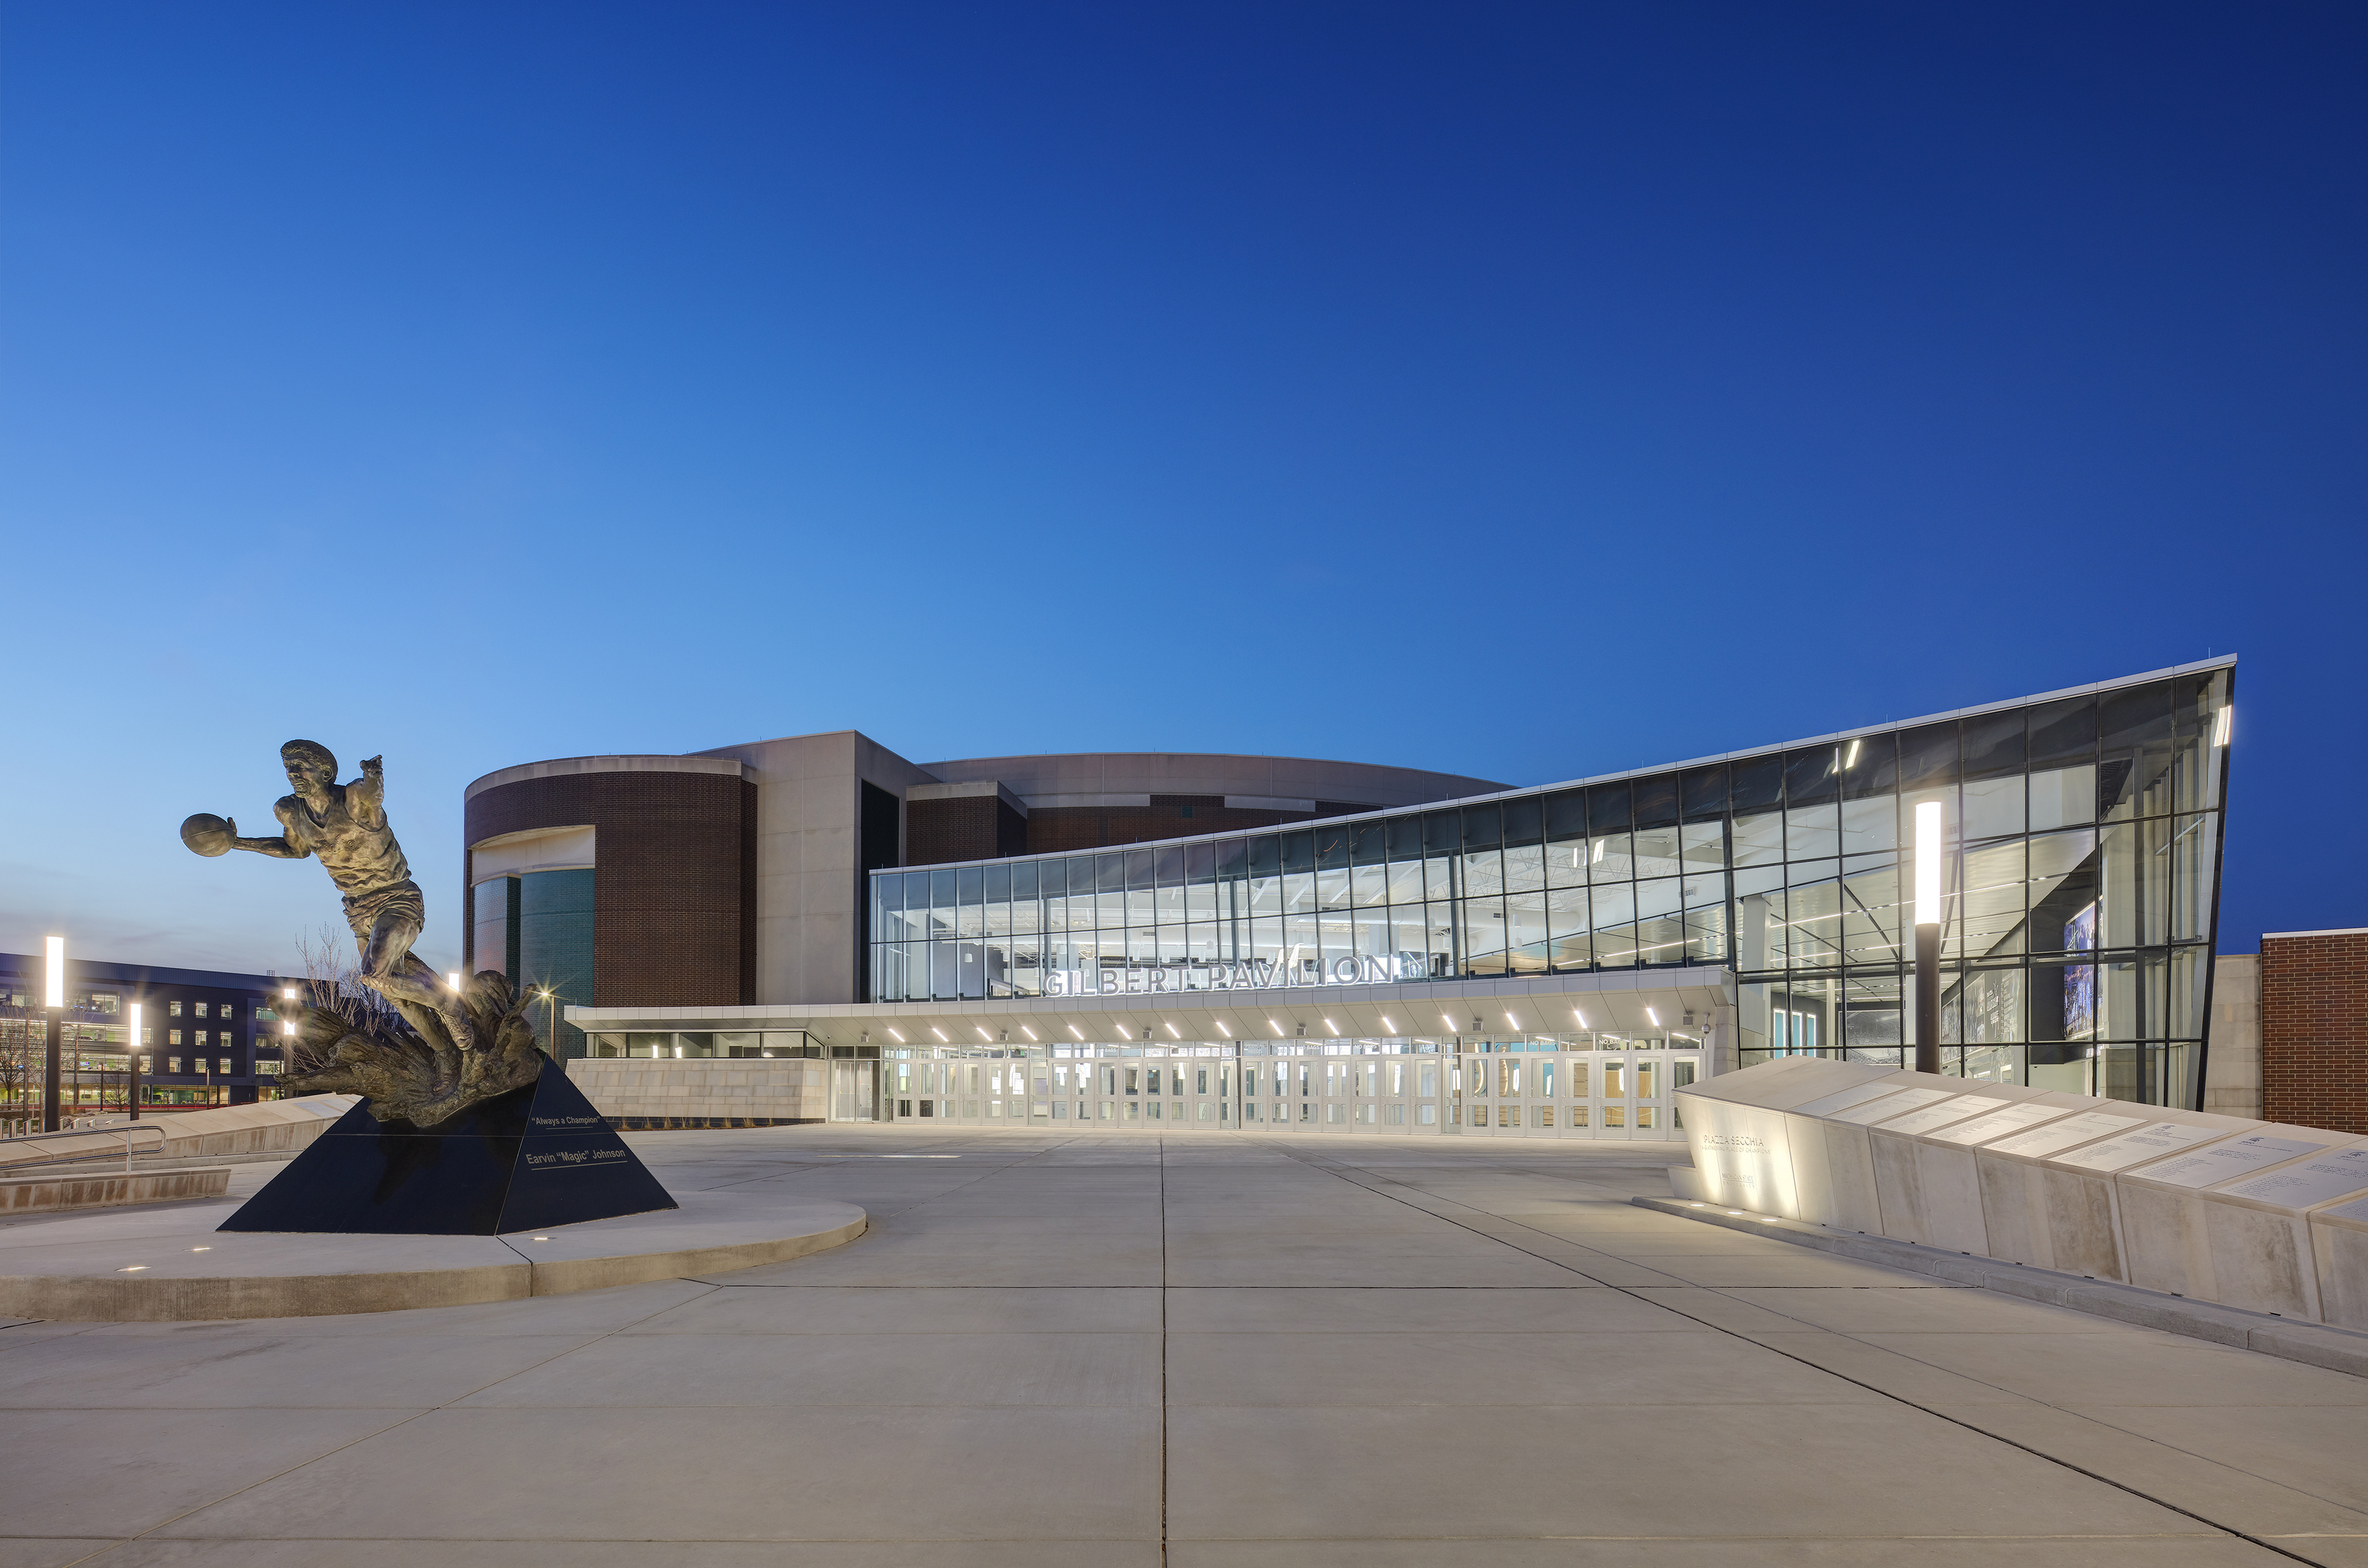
(674, 888)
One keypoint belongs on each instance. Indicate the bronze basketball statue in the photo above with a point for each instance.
(449, 1049)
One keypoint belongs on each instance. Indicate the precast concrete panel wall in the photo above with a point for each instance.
(2266, 1217)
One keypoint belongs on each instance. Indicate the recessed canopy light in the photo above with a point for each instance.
(899, 1038)
(1079, 1032)
(940, 1033)
(1177, 1032)
(1028, 1032)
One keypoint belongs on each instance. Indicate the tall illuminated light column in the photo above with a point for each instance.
(1927, 936)
(53, 1001)
(132, 1058)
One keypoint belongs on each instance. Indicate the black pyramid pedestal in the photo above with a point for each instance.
(536, 1156)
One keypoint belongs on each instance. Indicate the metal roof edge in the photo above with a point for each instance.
(2225, 660)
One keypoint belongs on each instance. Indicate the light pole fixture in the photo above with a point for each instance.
(53, 1004)
(132, 1058)
(1927, 936)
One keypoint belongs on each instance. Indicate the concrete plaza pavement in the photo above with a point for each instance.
(1210, 1351)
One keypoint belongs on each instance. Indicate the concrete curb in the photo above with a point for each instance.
(172, 1265)
(2317, 1345)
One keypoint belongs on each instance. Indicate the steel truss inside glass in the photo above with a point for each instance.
(2082, 875)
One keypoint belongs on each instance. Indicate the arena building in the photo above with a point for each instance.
(816, 927)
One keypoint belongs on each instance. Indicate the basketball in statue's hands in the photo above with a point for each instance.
(206, 834)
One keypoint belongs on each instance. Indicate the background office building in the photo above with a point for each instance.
(207, 1037)
(1239, 942)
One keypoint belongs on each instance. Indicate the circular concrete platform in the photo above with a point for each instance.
(171, 1264)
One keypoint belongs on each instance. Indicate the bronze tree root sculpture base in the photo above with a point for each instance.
(407, 1065)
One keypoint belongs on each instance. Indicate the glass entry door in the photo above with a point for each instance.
(855, 1091)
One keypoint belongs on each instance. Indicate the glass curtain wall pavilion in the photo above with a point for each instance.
(1592, 1085)
(2083, 855)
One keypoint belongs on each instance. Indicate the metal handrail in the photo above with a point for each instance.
(125, 1129)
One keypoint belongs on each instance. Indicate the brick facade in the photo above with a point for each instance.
(1062, 829)
(966, 827)
(2315, 1029)
(674, 895)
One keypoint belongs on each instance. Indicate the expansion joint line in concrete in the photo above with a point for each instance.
(1163, 1350)
(378, 1432)
(1356, 1179)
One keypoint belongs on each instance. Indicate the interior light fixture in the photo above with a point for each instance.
(1389, 1024)
(983, 1034)
(897, 1038)
(1513, 1023)
(1653, 1017)
(1333, 1026)
(940, 1033)
(1076, 1030)
(2225, 725)
(1028, 1032)
(1581, 1016)
(53, 982)
(1928, 863)
(1850, 759)
(1448, 1021)
(1275, 1026)
(1596, 858)
(1174, 1030)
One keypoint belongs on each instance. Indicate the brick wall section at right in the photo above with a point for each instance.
(2314, 1030)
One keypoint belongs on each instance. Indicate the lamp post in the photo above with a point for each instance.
(132, 1060)
(1927, 936)
(54, 1002)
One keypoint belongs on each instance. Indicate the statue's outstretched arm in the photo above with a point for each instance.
(280, 848)
(366, 796)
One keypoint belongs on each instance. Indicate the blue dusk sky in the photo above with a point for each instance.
(1524, 391)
